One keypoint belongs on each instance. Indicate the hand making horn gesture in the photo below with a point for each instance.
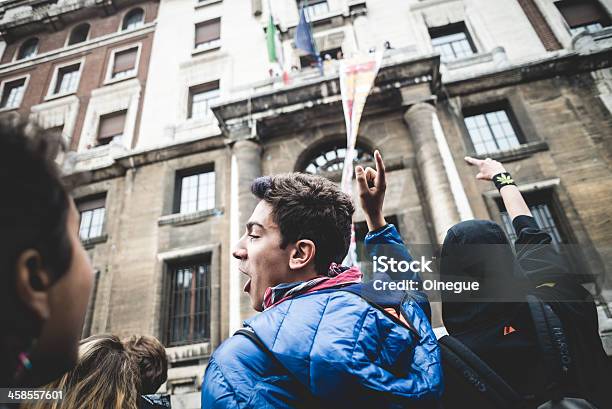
(372, 185)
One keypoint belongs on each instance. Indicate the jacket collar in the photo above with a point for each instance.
(338, 276)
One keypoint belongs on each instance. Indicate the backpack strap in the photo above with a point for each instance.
(382, 300)
(250, 334)
(553, 345)
(477, 375)
(308, 398)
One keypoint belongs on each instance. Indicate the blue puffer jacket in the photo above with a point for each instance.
(336, 350)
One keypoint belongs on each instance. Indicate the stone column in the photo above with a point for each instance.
(437, 188)
(439, 198)
(246, 166)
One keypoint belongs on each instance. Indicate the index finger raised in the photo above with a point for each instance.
(473, 161)
(380, 169)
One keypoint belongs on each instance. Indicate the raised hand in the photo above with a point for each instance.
(372, 185)
(487, 168)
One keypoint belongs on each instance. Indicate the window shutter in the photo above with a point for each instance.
(111, 125)
(208, 31)
(125, 60)
(578, 14)
(91, 204)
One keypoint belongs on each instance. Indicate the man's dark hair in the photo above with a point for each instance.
(309, 207)
(34, 202)
(150, 356)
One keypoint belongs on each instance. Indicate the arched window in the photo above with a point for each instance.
(133, 19)
(330, 158)
(79, 34)
(28, 49)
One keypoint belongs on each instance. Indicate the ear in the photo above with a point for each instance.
(32, 283)
(302, 254)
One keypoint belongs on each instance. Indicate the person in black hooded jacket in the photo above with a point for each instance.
(496, 323)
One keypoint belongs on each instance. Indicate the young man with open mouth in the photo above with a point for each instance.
(314, 343)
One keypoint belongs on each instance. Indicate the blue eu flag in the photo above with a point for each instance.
(303, 37)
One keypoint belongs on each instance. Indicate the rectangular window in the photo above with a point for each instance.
(208, 34)
(67, 79)
(587, 15)
(314, 8)
(92, 213)
(189, 302)
(452, 41)
(200, 99)
(195, 191)
(124, 63)
(492, 130)
(13, 93)
(111, 126)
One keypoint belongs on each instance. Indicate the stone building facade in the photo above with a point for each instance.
(527, 82)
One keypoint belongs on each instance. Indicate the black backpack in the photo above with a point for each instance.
(479, 386)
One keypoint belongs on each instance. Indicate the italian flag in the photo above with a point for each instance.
(275, 50)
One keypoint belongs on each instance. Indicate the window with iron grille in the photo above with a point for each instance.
(67, 79)
(195, 190)
(314, 8)
(492, 129)
(189, 302)
(543, 209)
(200, 99)
(583, 15)
(452, 41)
(92, 213)
(12, 94)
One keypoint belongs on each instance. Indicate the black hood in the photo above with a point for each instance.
(478, 250)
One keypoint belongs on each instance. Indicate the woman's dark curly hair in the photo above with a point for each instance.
(34, 203)
(309, 207)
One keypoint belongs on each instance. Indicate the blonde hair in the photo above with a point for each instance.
(104, 377)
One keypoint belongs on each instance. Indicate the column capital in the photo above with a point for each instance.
(245, 144)
(413, 109)
(416, 94)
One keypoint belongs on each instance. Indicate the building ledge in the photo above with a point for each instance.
(77, 49)
(91, 242)
(598, 40)
(550, 67)
(182, 219)
(204, 3)
(188, 352)
(523, 151)
(205, 50)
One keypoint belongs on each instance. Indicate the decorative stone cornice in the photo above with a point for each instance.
(25, 17)
(319, 100)
(119, 165)
(558, 65)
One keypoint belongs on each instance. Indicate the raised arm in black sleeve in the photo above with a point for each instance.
(540, 261)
